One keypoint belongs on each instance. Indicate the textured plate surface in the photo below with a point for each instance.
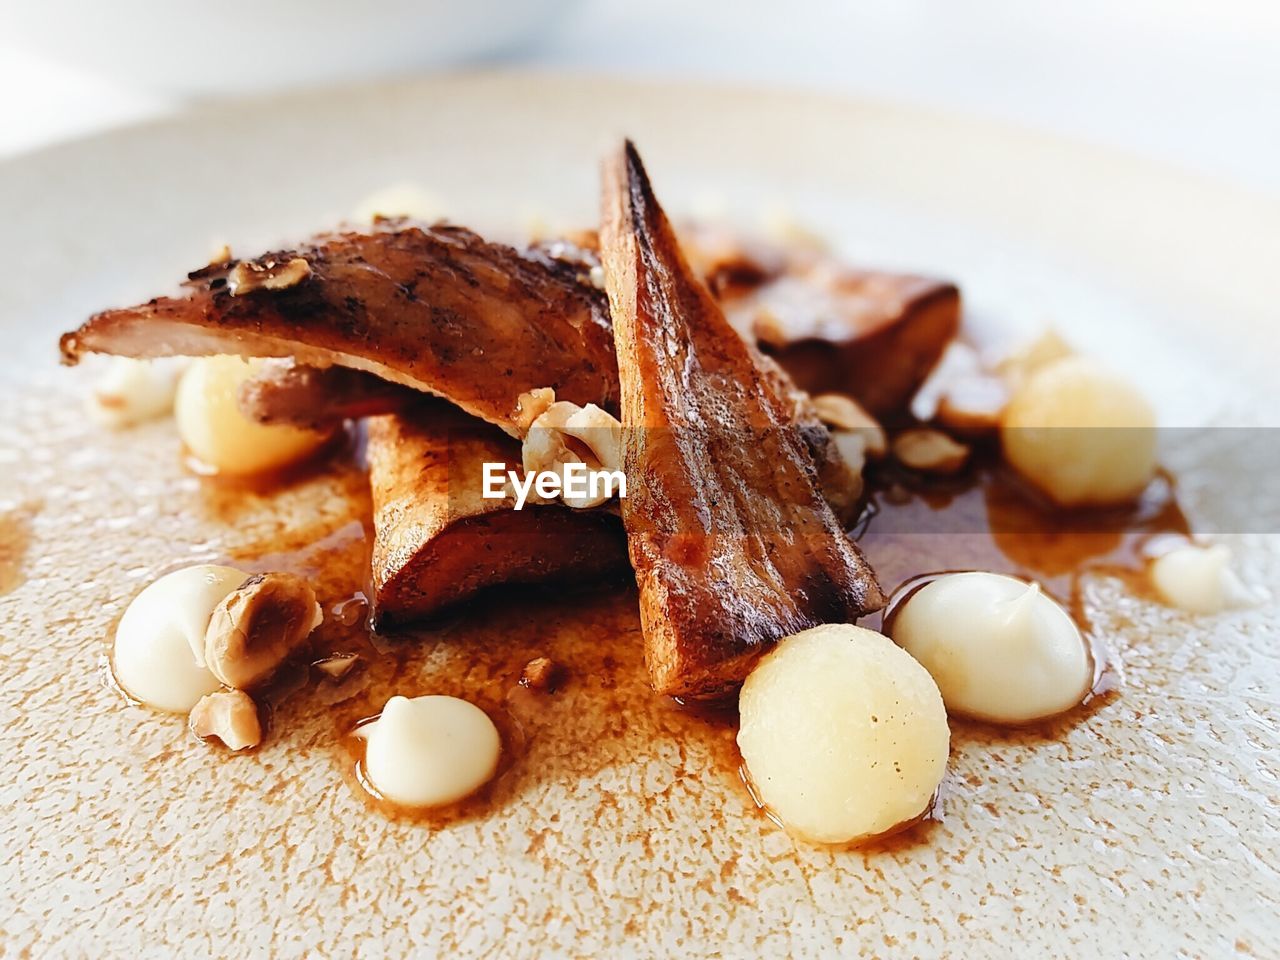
(1149, 827)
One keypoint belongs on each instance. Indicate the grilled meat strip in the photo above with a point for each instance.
(284, 391)
(872, 335)
(437, 541)
(732, 543)
(434, 308)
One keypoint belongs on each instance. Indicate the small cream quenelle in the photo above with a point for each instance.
(1198, 579)
(998, 647)
(1080, 433)
(213, 428)
(134, 391)
(844, 735)
(430, 751)
(159, 643)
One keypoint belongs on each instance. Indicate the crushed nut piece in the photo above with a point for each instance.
(853, 451)
(338, 666)
(531, 405)
(567, 433)
(229, 715)
(258, 626)
(540, 673)
(932, 451)
(221, 256)
(845, 415)
(972, 406)
(600, 432)
(958, 362)
(247, 276)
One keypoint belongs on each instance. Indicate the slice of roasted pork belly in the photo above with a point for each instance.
(284, 391)
(732, 543)
(437, 541)
(871, 334)
(435, 308)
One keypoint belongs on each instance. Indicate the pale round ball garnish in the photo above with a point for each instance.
(220, 436)
(1198, 579)
(1081, 434)
(844, 735)
(158, 656)
(430, 751)
(999, 649)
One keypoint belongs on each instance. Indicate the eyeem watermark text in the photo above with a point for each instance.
(572, 481)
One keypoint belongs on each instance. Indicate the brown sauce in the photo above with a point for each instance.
(15, 539)
(603, 710)
(986, 518)
(225, 494)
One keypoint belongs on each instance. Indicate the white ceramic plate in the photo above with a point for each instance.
(1149, 828)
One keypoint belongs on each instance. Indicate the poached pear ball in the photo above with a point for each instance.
(843, 734)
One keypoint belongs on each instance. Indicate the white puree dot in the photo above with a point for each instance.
(430, 751)
(133, 391)
(998, 648)
(159, 643)
(843, 734)
(1198, 579)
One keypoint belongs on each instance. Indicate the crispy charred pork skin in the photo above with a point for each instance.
(435, 308)
(437, 541)
(732, 543)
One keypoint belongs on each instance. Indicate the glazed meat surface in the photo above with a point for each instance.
(732, 542)
(284, 391)
(437, 541)
(434, 308)
(834, 328)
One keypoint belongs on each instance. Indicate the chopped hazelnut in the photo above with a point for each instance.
(932, 451)
(972, 406)
(338, 666)
(566, 433)
(531, 405)
(845, 415)
(247, 276)
(221, 257)
(258, 626)
(229, 715)
(540, 673)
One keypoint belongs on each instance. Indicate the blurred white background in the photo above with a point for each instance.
(1195, 84)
